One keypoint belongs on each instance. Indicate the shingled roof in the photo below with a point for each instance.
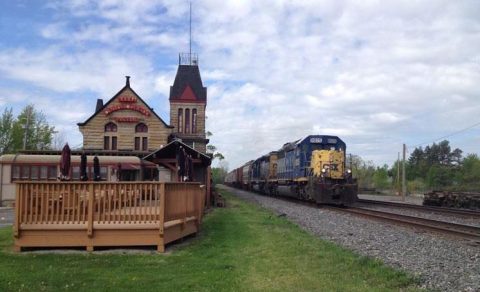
(188, 75)
(100, 106)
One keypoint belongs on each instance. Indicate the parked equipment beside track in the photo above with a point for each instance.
(312, 169)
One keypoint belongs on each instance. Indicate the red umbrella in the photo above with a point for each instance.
(83, 167)
(96, 169)
(65, 162)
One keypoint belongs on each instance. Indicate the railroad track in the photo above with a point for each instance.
(441, 210)
(464, 231)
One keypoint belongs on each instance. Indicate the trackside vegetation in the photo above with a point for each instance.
(241, 248)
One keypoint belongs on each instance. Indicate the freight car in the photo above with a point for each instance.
(312, 169)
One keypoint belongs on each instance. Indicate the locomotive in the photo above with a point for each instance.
(311, 169)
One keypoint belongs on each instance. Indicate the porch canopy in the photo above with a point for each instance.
(183, 161)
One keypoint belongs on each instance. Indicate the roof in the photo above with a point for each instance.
(127, 86)
(188, 75)
(29, 159)
(99, 152)
(170, 151)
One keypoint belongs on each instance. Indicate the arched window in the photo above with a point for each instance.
(110, 127)
(187, 121)
(141, 128)
(180, 120)
(110, 141)
(194, 121)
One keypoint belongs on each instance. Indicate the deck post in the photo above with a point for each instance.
(200, 197)
(91, 197)
(16, 226)
(161, 219)
(208, 189)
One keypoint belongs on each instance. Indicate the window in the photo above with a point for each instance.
(187, 121)
(25, 172)
(141, 128)
(16, 172)
(34, 173)
(103, 172)
(144, 144)
(114, 143)
(76, 172)
(106, 143)
(43, 172)
(110, 127)
(52, 172)
(137, 143)
(194, 121)
(180, 120)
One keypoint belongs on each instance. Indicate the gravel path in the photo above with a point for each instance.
(424, 214)
(441, 263)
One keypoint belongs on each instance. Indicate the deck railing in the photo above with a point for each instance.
(89, 206)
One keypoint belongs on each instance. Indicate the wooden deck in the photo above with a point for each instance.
(72, 214)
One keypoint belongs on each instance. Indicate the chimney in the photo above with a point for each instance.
(99, 105)
(127, 81)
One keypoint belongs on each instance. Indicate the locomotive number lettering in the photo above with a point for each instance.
(315, 140)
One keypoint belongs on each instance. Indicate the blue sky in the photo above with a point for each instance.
(375, 73)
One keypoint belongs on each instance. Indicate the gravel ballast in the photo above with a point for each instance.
(441, 263)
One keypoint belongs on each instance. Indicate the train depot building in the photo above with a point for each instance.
(152, 179)
(122, 132)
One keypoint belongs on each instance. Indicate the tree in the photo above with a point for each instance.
(219, 173)
(470, 172)
(30, 131)
(380, 178)
(6, 131)
(363, 171)
(212, 150)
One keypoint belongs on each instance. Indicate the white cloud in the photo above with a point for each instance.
(376, 73)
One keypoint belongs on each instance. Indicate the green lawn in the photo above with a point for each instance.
(241, 247)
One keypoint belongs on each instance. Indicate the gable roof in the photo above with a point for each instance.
(188, 75)
(127, 86)
(170, 151)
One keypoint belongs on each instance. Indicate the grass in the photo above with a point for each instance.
(242, 248)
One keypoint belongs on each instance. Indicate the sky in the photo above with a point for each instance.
(375, 73)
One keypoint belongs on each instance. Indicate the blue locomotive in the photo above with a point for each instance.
(312, 169)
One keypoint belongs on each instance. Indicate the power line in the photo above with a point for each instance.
(449, 135)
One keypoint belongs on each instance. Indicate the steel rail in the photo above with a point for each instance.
(459, 230)
(443, 210)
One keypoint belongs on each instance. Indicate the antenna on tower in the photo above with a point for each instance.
(190, 32)
(189, 58)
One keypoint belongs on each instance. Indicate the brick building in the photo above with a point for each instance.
(127, 124)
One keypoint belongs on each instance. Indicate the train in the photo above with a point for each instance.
(311, 169)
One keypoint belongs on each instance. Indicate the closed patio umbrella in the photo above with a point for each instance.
(96, 168)
(65, 162)
(83, 167)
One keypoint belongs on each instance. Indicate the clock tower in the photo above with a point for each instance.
(188, 101)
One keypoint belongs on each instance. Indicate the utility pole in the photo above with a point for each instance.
(404, 184)
(398, 174)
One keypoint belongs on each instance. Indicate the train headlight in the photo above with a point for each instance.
(349, 171)
(324, 170)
